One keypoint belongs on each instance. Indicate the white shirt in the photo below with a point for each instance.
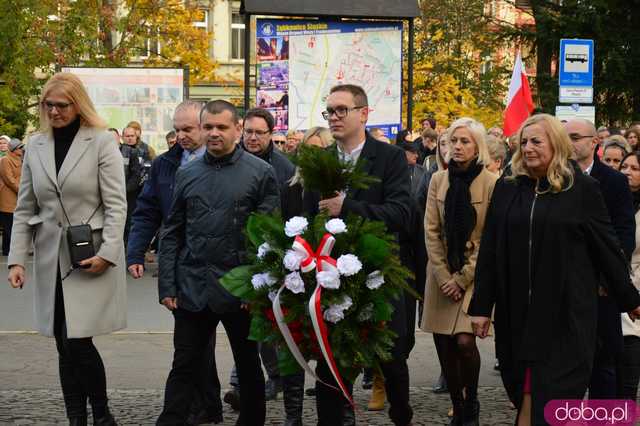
(353, 155)
(588, 171)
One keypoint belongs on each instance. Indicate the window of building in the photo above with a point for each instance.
(237, 36)
(202, 20)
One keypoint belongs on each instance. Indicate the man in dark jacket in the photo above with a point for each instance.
(619, 201)
(152, 209)
(388, 201)
(256, 139)
(201, 240)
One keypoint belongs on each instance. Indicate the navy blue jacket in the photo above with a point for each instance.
(153, 204)
(619, 201)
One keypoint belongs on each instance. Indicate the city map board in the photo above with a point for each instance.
(300, 60)
(146, 95)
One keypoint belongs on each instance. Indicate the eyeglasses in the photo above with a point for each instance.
(60, 106)
(251, 132)
(340, 112)
(279, 142)
(575, 137)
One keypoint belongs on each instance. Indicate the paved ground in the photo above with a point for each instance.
(138, 360)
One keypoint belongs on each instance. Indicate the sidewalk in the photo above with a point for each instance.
(142, 406)
(137, 365)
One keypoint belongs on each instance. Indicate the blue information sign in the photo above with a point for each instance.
(576, 62)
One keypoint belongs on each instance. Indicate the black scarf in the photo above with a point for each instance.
(459, 214)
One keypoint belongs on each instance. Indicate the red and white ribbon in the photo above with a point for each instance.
(322, 334)
(319, 260)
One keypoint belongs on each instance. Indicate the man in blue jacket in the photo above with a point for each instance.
(153, 205)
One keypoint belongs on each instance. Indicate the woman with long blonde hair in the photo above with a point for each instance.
(71, 208)
(547, 245)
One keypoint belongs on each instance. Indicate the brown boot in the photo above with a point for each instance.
(378, 394)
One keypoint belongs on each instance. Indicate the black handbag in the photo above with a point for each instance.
(79, 239)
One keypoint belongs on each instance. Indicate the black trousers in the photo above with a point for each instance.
(330, 402)
(609, 347)
(628, 369)
(82, 373)
(207, 392)
(192, 331)
(6, 220)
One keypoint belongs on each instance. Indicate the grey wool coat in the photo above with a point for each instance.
(91, 175)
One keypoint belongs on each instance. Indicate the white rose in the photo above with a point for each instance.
(292, 260)
(335, 226)
(263, 250)
(349, 264)
(294, 283)
(258, 281)
(333, 314)
(328, 279)
(346, 302)
(366, 313)
(261, 280)
(295, 226)
(269, 279)
(375, 280)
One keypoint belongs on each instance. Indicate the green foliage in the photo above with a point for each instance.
(38, 35)
(323, 171)
(238, 282)
(359, 340)
(455, 71)
(613, 25)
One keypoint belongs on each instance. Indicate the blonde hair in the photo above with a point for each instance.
(560, 174)
(322, 133)
(478, 133)
(442, 160)
(71, 87)
(619, 141)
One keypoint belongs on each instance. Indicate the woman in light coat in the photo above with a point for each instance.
(456, 207)
(73, 174)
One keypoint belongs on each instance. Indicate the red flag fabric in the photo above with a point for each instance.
(519, 101)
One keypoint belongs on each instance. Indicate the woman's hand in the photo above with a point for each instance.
(16, 276)
(452, 290)
(480, 326)
(95, 265)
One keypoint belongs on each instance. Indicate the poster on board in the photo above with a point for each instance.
(298, 61)
(146, 95)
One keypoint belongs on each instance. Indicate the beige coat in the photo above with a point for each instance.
(10, 169)
(92, 173)
(441, 314)
(631, 328)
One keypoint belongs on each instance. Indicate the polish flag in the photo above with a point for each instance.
(519, 102)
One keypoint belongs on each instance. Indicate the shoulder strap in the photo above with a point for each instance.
(65, 210)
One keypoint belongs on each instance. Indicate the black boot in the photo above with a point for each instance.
(106, 420)
(78, 421)
(471, 412)
(293, 395)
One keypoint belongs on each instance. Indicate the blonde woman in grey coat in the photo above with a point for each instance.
(73, 174)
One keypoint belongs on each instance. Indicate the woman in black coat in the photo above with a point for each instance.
(547, 246)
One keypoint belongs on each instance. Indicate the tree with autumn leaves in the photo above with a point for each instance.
(39, 35)
(453, 75)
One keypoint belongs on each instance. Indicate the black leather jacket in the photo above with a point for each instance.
(203, 236)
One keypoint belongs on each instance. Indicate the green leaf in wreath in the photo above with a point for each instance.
(259, 329)
(373, 250)
(238, 282)
(287, 364)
